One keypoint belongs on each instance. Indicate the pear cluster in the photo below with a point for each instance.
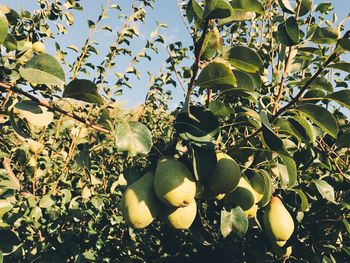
(167, 194)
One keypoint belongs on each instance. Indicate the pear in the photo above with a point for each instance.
(226, 175)
(279, 224)
(244, 196)
(139, 202)
(173, 183)
(182, 217)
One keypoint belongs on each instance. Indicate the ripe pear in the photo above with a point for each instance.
(38, 47)
(173, 183)
(279, 224)
(244, 196)
(226, 175)
(182, 217)
(139, 202)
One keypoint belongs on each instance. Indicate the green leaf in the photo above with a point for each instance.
(46, 202)
(216, 76)
(341, 66)
(292, 29)
(347, 225)
(322, 117)
(84, 90)
(134, 138)
(244, 58)
(34, 113)
(325, 189)
(305, 7)
(267, 188)
(233, 221)
(219, 108)
(217, 9)
(304, 202)
(343, 141)
(342, 97)
(324, 7)
(237, 15)
(325, 35)
(286, 6)
(291, 178)
(204, 162)
(244, 80)
(194, 11)
(9, 241)
(1, 257)
(200, 125)
(4, 27)
(211, 44)
(247, 6)
(43, 69)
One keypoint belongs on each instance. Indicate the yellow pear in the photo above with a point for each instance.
(244, 196)
(38, 47)
(139, 202)
(280, 251)
(226, 175)
(182, 217)
(279, 224)
(173, 183)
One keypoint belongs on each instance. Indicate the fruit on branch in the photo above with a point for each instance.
(181, 217)
(244, 196)
(174, 184)
(279, 224)
(226, 175)
(38, 47)
(139, 202)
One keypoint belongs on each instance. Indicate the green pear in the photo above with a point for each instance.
(139, 202)
(173, 183)
(226, 175)
(182, 217)
(244, 196)
(279, 224)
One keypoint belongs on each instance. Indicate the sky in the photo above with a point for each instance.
(165, 11)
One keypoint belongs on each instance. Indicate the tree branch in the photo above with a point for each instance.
(332, 57)
(198, 54)
(46, 104)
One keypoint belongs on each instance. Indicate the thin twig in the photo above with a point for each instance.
(54, 108)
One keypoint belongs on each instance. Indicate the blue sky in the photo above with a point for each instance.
(165, 11)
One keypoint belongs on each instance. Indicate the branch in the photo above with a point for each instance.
(198, 54)
(7, 165)
(332, 57)
(46, 104)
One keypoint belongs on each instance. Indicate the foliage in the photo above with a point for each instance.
(268, 86)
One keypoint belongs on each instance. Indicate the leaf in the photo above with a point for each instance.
(233, 221)
(325, 35)
(34, 113)
(247, 6)
(217, 9)
(10, 43)
(83, 90)
(341, 66)
(134, 138)
(342, 97)
(211, 44)
(305, 7)
(283, 36)
(286, 6)
(9, 241)
(237, 15)
(216, 76)
(290, 165)
(304, 202)
(1, 257)
(46, 202)
(322, 117)
(204, 162)
(4, 27)
(347, 225)
(245, 59)
(244, 80)
(219, 109)
(292, 29)
(325, 189)
(200, 126)
(343, 141)
(267, 188)
(43, 69)
(324, 7)
(194, 11)
(303, 128)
